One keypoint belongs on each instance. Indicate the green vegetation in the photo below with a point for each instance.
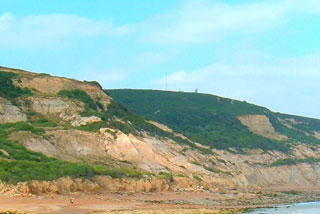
(197, 178)
(8, 90)
(43, 75)
(20, 126)
(306, 124)
(214, 170)
(166, 175)
(291, 161)
(44, 122)
(19, 164)
(298, 132)
(10, 212)
(203, 118)
(95, 83)
(119, 117)
(117, 172)
(80, 95)
(39, 120)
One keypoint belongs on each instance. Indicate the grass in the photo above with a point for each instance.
(21, 126)
(214, 170)
(8, 90)
(80, 95)
(39, 120)
(292, 161)
(20, 164)
(166, 175)
(197, 178)
(117, 172)
(203, 118)
(132, 124)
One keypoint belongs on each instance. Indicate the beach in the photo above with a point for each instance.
(169, 202)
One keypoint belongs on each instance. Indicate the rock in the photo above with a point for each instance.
(82, 121)
(10, 113)
(260, 124)
(4, 152)
(52, 85)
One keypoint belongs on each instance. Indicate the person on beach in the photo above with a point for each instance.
(71, 200)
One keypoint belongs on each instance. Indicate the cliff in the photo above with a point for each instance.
(67, 135)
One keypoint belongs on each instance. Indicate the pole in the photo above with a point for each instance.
(166, 82)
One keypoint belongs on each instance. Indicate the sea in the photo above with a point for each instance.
(300, 208)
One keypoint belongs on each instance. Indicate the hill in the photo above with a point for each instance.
(61, 135)
(37, 108)
(219, 122)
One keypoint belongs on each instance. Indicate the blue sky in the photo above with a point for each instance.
(262, 51)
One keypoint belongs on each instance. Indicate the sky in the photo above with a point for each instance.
(263, 51)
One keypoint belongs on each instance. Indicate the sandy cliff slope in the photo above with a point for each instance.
(93, 138)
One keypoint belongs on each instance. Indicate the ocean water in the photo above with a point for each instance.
(301, 208)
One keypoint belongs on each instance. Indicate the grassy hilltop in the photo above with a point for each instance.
(213, 121)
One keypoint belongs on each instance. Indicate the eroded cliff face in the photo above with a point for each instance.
(191, 168)
(10, 113)
(102, 184)
(223, 170)
(260, 124)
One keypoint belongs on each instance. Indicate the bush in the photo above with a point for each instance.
(166, 175)
(291, 161)
(117, 172)
(8, 90)
(79, 95)
(24, 165)
(44, 122)
(21, 126)
(95, 83)
(206, 119)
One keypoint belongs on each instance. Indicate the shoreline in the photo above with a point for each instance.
(159, 202)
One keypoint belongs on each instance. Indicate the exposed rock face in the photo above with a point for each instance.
(10, 113)
(260, 124)
(250, 170)
(82, 121)
(161, 126)
(55, 106)
(219, 170)
(100, 184)
(52, 86)
(317, 135)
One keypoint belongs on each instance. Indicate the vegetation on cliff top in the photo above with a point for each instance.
(20, 164)
(212, 120)
(8, 90)
(294, 161)
(120, 118)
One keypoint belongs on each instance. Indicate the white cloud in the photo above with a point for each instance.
(150, 58)
(50, 30)
(204, 21)
(284, 84)
(106, 77)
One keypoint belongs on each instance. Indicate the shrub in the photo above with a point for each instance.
(203, 118)
(24, 165)
(168, 176)
(292, 161)
(80, 95)
(117, 172)
(8, 90)
(21, 126)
